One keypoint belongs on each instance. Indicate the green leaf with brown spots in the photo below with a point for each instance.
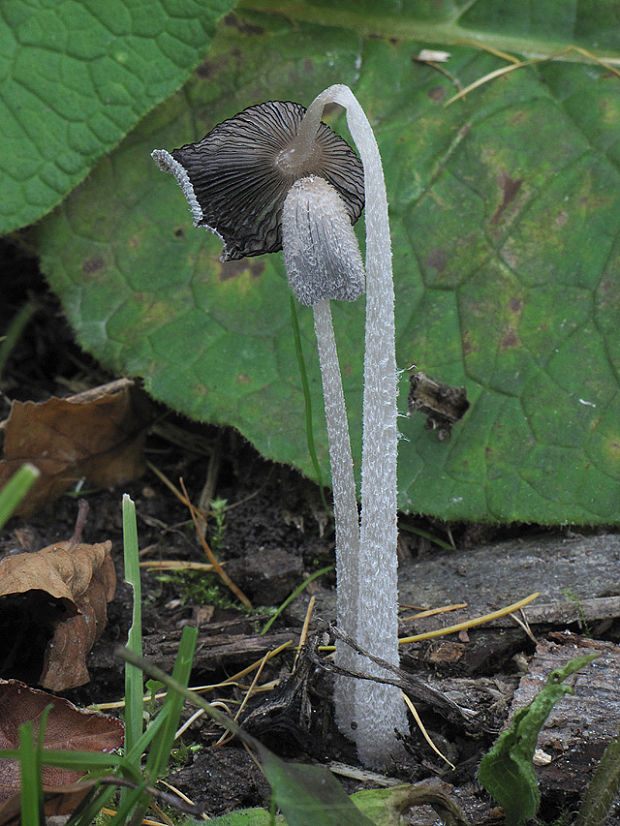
(76, 76)
(506, 255)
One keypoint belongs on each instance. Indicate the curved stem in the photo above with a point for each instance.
(378, 708)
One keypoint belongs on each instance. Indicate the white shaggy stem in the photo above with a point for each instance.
(375, 708)
(345, 500)
(323, 261)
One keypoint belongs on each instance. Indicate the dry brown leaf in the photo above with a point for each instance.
(68, 728)
(58, 800)
(98, 435)
(53, 606)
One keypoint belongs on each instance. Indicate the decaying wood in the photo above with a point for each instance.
(463, 716)
(571, 574)
(216, 651)
(562, 613)
(286, 711)
(581, 725)
(221, 646)
(478, 651)
(490, 696)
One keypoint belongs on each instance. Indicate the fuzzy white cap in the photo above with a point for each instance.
(321, 252)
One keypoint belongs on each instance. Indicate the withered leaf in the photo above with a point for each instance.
(58, 800)
(443, 404)
(68, 728)
(53, 606)
(98, 435)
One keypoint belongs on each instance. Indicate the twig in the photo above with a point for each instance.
(406, 682)
(520, 64)
(165, 797)
(472, 623)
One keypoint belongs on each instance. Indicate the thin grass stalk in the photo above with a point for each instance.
(133, 676)
(159, 751)
(15, 329)
(293, 595)
(305, 386)
(30, 778)
(15, 489)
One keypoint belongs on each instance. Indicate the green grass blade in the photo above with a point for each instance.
(30, 780)
(91, 761)
(303, 374)
(159, 752)
(295, 593)
(85, 760)
(16, 326)
(15, 489)
(602, 789)
(133, 676)
(134, 688)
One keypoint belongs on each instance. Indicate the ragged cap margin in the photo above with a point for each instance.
(237, 177)
(167, 163)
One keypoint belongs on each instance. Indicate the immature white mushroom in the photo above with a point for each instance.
(323, 261)
(275, 176)
(321, 252)
(370, 712)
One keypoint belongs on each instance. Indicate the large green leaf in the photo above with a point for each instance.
(504, 223)
(534, 28)
(76, 76)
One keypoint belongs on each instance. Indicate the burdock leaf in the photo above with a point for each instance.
(76, 77)
(504, 230)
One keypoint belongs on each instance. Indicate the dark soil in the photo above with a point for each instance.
(276, 532)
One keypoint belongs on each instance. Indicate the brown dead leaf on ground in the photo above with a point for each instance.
(53, 606)
(67, 728)
(58, 800)
(98, 435)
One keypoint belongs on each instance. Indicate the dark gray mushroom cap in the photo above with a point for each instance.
(237, 177)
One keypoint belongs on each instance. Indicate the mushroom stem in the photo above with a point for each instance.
(323, 262)
(275, 177)
(343, 484)
(377, 709)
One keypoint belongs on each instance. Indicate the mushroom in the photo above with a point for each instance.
(236, 178)
(274, 176)
(323, 261)
(376, 709)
